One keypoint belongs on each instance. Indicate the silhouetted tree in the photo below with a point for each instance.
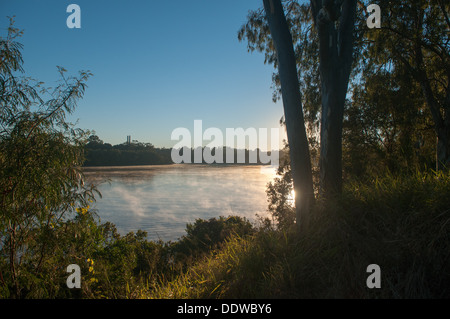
(294, 120)
(335, 22)
(416, 36)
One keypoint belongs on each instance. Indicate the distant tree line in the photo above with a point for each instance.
(99, 153)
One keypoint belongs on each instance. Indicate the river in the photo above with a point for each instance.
(162, 199)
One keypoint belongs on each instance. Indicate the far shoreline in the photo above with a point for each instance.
(131, 167)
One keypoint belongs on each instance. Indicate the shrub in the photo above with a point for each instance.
(42, 186)
(205, 235)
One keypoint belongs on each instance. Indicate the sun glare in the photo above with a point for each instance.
(291, 198)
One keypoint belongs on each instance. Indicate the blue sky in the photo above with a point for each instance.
(157, 65)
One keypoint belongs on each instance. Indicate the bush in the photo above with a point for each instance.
(130, 266)
(206, 235)
(44, 198)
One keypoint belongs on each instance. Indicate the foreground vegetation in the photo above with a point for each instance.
(387, 214)
(401, 224)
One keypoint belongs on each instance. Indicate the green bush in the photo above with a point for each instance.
(131, 266)
(43, 191)
(205, 235)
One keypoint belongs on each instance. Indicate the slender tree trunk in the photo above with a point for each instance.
(439, 108)
(335, 53)
(12, 259)
(443, 149)
(293, 111)
(443, 132)
(440, 115)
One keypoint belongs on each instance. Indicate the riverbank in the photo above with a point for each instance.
(401, 224)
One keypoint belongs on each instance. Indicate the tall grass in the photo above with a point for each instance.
(400, 223)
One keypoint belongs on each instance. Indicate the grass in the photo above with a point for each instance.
(401, 224)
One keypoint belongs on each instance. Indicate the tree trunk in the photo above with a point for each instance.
(330, 161)
(439, 108)
(293, 111)
(443, 149)
(335, 53)
(440, 115)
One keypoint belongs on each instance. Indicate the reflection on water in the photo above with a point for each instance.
(163, 199)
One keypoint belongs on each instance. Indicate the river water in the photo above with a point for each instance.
(163, 199)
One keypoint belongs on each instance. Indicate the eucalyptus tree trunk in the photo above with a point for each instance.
(439, 107)
(334, 20)
(440, 111)
(293, 112)
(443, 148)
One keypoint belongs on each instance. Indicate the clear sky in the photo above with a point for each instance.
(157, 65)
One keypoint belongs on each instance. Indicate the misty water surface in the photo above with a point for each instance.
(163, 199)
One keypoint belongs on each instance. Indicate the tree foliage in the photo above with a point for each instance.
(388, 123)
(99, 153)
(43, 195)
(415, 38)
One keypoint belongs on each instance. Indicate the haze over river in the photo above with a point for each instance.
(163, 199)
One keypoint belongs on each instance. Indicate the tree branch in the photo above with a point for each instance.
(315, 7)
(444, 12)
